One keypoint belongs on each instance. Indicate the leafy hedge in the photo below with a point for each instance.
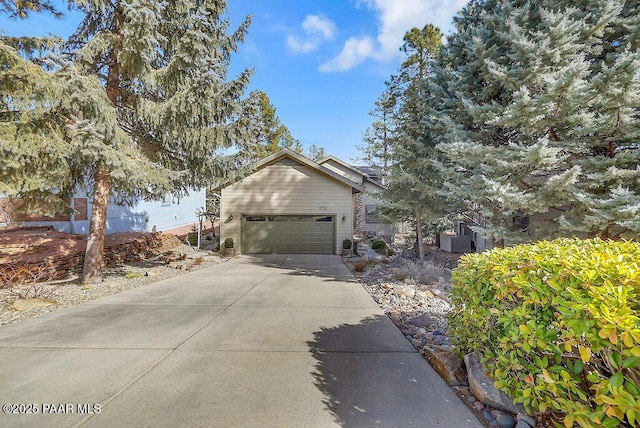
(558, 323)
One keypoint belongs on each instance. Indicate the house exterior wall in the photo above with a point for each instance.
(371, 197)
(167, 214)
(343, 171)
(286, 188)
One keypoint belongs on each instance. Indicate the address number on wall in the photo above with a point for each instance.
(322, 207)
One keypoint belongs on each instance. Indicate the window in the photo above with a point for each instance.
(166, 200)
(371, 214)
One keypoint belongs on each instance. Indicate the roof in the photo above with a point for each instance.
(376, 182)
(344, 164)
(303, 160)
(372, 171)
(365, 171)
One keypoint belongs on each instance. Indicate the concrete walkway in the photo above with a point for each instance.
(273, 341)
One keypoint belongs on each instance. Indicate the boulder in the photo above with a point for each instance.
(424, 294)
(27, 304)
(404, 290)
(481, 386)
(446, 364)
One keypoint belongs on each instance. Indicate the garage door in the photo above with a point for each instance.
(306, 234)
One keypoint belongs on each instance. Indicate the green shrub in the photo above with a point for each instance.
(355, 247)
(558, 323)
(228, 243)
(192, 238)
(378, 244)
(346, 244)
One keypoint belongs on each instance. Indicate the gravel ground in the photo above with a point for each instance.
(61, 294)
(414, 295)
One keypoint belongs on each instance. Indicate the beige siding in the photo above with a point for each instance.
(343, 171)
(286, 188)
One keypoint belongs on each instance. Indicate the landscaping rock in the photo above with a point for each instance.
(488, 416)
(446, 364)
(526, 419)
(424, 294)
(505, 421)
(404, 290)
(28, 304)
(478, 405)
(423, 321)
(482, 387)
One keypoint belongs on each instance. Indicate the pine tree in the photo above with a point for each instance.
(22, 9)
(273, 135)
(541, 106)
(140, 104)
(28, 164)
(377, 146)
(316, 153)
(411, 190)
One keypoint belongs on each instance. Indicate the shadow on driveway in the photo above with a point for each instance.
(326, 266)
(387, 389)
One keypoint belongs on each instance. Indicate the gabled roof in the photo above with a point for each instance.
(365, 171)
(344, 164)
(303, 160)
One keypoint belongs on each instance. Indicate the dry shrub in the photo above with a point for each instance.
(198, 261)
(422, 273)
(28, 281)
(360, 265)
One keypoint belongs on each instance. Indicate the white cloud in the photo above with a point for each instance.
(395, 18)
(300, 47)
(317, 29)
(319, 24)
(355, 51)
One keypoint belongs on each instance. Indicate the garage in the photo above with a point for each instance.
(288, 234)
(289, 204)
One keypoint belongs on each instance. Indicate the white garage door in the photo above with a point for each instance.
(288, 234)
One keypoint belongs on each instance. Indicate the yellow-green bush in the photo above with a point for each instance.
(558, 323)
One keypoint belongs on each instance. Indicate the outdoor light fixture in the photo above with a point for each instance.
(344, 217)
(230, 217)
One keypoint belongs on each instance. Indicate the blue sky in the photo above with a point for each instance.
(322, 63)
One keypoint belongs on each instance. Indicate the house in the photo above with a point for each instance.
(289, 204)
(142, 216)
(463, 238)
(367, 221)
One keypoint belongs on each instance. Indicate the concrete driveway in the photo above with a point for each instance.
(273, 341)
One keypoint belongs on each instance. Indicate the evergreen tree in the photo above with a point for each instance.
(22, 9)
(138, 104)
(541, 102)
(412, 187)
(273, 135)
(377, 145)
(316, 153)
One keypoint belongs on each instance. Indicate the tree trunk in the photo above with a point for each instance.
(92, 269)
(419, 235)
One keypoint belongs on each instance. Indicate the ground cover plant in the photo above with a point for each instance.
(558, 323)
